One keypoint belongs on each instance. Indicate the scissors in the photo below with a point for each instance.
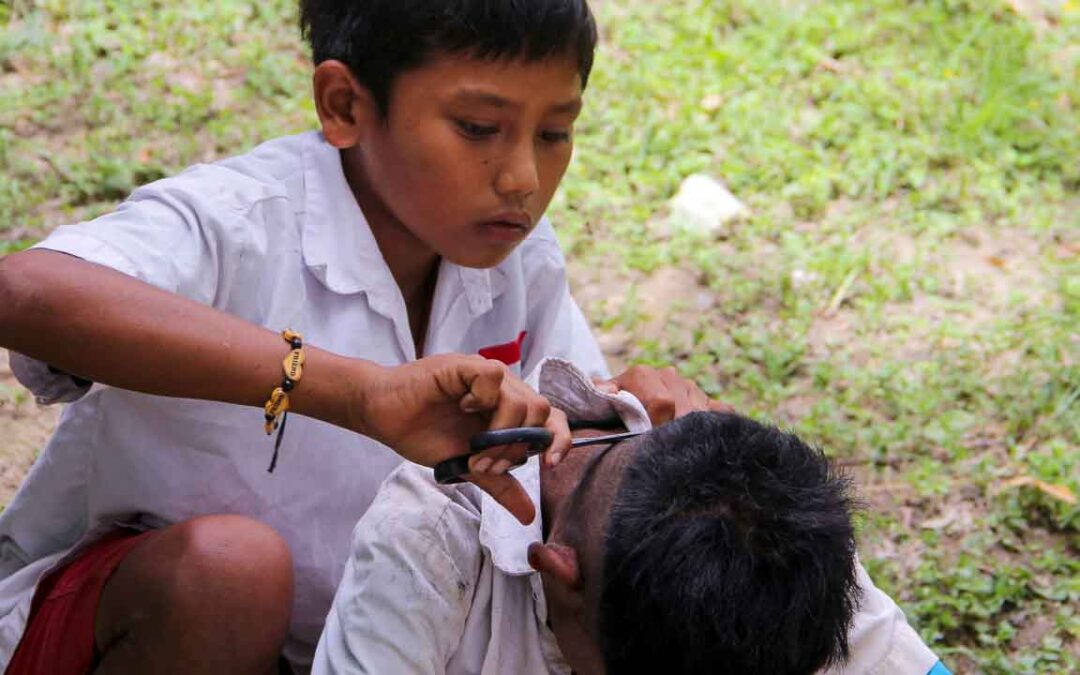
(453, 470)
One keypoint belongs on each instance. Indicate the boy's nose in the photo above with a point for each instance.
(518, 175)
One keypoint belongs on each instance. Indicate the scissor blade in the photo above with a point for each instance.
(603, 440)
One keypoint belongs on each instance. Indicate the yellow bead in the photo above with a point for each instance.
(289, 335)
(278, 403)
(293, 365)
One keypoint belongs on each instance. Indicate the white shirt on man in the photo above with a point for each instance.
(276, 237)
(438, 583)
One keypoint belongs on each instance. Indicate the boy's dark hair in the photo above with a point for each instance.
(729, 549)
(379, 39)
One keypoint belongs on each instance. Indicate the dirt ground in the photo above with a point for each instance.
(24, 428)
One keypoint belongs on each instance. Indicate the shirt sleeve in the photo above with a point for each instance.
(408, 585)
(557, 326)
(185, 235)
(881, 641)
(47, 384)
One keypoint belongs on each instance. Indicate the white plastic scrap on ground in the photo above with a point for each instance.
(704, 204)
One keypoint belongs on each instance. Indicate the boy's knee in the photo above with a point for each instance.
(207, 573)
(232, 560)
(218, 586)
(235, 547)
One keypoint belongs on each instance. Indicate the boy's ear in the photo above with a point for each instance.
(346, 108)
(557, 561)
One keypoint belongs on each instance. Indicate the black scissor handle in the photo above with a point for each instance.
(538, 439)
(450, 471)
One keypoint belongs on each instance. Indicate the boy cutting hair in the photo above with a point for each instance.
(149, 536)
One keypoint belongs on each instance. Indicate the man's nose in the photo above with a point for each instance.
(518, 176)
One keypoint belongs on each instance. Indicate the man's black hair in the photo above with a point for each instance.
(380, 39)
(730, 549)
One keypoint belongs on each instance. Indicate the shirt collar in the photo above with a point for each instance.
(338, 246)
(571, 390)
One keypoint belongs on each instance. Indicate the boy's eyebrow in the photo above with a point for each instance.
(572, 107)
(481, 97)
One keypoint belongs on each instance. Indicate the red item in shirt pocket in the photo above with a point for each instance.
(509, 352)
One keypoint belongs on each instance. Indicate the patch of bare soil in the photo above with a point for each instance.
(661, 305)
(954, 516)
(603, 294)
(984, 276)
(24, 428)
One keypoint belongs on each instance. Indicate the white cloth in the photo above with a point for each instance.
(437, 581)
(275, 237)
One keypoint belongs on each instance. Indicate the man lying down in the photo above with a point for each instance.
(712, 544)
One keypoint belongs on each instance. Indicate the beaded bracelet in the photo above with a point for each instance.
(278, 403)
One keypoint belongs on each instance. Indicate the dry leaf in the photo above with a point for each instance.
(1059, 492)
(940, 522)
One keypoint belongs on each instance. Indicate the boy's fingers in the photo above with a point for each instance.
(637, 379)
(508, 492)
(560, 430)
(661, 409)
(490, 461)
(519, 406)
(695, 398)
(652, 388)
(483, 381)
(679, 391)
(539, 411)
(720, 406)
(512, 412)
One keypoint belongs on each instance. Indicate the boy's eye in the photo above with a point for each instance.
(555, 136)
(473, 130)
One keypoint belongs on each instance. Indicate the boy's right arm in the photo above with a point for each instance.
(104, 326)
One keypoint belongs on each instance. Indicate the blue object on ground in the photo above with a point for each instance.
(939, 669)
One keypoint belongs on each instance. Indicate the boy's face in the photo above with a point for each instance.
(469, 153)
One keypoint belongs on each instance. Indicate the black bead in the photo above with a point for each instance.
(287, 384)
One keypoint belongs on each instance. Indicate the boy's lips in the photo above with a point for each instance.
(509, 226)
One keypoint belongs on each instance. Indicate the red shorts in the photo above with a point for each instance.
(59, 636)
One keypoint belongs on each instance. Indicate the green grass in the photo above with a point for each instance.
(97, 98)
(905, 292)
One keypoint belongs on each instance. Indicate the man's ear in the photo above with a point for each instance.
(346, 108)
(558, 561)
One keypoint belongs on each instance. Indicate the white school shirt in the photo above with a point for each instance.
(438, 581)
(275, 237)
